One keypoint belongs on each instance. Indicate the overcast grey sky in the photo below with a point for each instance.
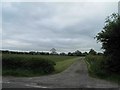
(41, 26)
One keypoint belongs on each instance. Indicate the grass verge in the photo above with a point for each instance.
(61, 66)
(96, 69)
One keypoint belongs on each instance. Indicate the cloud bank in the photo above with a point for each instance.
(41, 26)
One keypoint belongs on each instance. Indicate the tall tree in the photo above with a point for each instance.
(92, 52)
(53, 51)
(110, 39)
(78, 53)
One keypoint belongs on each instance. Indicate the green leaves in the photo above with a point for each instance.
(109, 37)
(31, 65)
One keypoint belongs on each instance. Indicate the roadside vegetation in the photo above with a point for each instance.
(34, 65)
(97, 69)
(107, 66)
(0, 64)
(62, 65)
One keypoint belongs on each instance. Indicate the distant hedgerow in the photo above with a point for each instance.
(35, 65)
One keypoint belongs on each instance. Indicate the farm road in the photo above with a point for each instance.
(76, 76)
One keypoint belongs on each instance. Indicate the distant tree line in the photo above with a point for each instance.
(75, 53)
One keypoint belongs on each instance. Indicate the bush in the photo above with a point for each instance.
(95, 65)
(92, 52)
(97, 68)
(110, 39)
(36, 65)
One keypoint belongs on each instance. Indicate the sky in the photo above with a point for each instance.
(65, 26)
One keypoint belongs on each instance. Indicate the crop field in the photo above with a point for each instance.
(35, 65)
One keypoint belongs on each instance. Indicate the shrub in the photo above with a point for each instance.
(95, 65)
(109, 37)
(97, 68)
(36, 65)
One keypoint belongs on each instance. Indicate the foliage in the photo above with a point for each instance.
(53, 52)
(61, 66)
(109, 37)
(92, 52)
(95, 64)
(63, 54)
(36, 65)
(78, 53)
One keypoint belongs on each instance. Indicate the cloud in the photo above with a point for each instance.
(59, 0)
(65, 26)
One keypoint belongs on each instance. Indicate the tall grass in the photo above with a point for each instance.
(95, 65)
(96, 68)
(16, 65)
(34, 65)
(61, 66)
(55, 58)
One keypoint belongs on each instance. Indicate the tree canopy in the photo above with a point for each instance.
(109, 37)
(92, 52)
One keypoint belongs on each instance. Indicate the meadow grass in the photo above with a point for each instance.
(55, 58)
(61, 63)
(95, 64)
(61, 66)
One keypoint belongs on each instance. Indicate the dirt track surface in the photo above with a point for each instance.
(76, 76)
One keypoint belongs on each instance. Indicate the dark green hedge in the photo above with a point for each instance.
(38, 65)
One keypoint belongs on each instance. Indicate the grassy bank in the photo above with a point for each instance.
(35, 65)
(96, 68)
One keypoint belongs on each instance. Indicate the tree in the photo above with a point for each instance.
(109, 37)
(77, 53)
(92, 52)
(70, 54)
(85, 53)
(63, 54)
(53, 51)
(32, 52)
(99, 53)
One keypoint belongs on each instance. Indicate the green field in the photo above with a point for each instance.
(61, 63)
(55, 58)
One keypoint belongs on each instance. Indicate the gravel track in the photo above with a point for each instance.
(76, 76)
